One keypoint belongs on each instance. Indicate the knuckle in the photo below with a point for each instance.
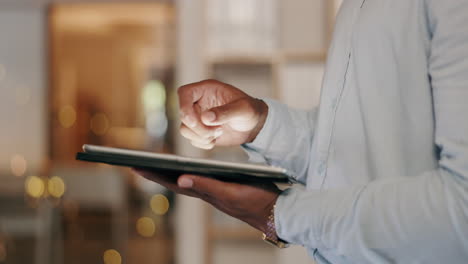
(203, 141)
(249, 104)
(183, 111)
(210, 141)
(220, 111)
(203, 131)
(181, 90)
(223, 113)
(209, 82)
(207, 137)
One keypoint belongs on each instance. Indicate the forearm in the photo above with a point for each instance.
(423, 219)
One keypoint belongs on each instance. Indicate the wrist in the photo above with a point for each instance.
(266, 215)
(259, 219)
(262, 110)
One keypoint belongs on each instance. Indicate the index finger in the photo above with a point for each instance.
(188, 95)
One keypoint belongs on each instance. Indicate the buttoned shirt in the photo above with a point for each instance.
(384, 158)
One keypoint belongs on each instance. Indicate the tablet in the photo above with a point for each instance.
(176, 165)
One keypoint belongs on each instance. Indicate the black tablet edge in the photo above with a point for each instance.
(217, 173)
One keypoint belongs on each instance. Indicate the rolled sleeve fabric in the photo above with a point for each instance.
(422, 219)
(284, 128)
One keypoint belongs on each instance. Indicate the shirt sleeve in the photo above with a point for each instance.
(284, 129)
(420, 219)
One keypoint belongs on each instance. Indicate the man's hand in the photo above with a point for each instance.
(249, 203)
(215, 113)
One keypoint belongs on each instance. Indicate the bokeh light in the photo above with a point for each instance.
(112, 256)
(18, 165)
(56, 187)
(159, 204)
(35, 186)
(153, 96)
(145, 227)
(156, 124)
(67, 116)
(99, 124)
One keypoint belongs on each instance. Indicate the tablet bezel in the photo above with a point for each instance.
(168, 162)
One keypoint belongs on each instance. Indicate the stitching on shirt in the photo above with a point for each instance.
(333, 120)
(338, 101)
(363, 2)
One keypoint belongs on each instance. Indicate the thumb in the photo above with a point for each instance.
(241, 110)
(201, 184)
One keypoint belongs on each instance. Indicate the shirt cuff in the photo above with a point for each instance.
(295, 219)
(266, 135)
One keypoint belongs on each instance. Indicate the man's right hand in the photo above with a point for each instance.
(215, 113)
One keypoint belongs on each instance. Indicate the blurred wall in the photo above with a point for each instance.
(23, 93)
(190, 232)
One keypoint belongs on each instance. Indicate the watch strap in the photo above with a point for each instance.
(270, 235)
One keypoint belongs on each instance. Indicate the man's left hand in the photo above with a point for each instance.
(251, 203)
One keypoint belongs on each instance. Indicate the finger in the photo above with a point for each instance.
(163, 179)
(192, 136)
(188, 95)
(240, 109)
(197, 131)
(211, 187)
(201, 129)
(203, 146)
(168, 181)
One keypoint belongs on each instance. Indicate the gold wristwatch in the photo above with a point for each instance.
(270, 235)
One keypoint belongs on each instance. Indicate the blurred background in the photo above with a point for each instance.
(106, 72)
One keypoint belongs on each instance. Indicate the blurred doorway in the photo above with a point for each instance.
(112, 72)
(111, 84)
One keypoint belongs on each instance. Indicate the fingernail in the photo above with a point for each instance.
(190, 121)
(209, 116)
(218, 132)
(185, 183)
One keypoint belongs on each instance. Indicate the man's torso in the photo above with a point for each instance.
(376, 110)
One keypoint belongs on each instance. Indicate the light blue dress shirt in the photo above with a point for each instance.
(385, 156)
